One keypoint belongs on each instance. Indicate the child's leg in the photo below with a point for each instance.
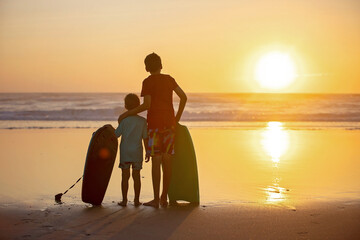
(137, 186)
(124, 185)
(156, 161)
(166, 167)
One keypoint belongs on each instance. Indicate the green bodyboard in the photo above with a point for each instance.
(184, 184)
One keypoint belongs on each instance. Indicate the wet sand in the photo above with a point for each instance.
(268, 183)
(320, 220)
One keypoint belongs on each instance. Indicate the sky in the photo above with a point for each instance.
(206, 45)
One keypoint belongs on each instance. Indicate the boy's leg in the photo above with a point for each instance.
(137, 186)
(166, 166)
(156, 161)
(124, 185)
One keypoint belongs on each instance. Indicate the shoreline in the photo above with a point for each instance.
(236, 125)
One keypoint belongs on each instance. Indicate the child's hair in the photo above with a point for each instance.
(152, 62)
(131, 101)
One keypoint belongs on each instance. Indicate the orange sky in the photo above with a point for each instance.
(207, 46)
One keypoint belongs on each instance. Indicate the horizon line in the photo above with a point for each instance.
(325, 93)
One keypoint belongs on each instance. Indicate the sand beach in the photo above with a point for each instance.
(308, 189)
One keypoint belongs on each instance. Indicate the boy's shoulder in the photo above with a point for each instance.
(141, 118)
(134, 119)
(158, 76)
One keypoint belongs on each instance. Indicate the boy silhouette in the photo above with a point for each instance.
(157, 91)
(133, 130)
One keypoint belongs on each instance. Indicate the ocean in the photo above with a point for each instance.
(279, 149)
(90, 110)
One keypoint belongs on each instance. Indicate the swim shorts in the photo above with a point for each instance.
(135, 165)
(161, 141)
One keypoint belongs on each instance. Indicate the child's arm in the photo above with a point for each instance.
(144, 106)
(147, 155)
(183, 99)
(119, 130)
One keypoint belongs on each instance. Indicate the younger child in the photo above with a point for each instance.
(133, 130)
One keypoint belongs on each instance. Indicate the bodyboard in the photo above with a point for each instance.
(184, 184)
(99, 164)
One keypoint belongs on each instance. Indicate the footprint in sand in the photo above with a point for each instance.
(27, 220)
(47, 226)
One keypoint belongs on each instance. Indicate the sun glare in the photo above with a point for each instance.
(275, 70)
(275, 140)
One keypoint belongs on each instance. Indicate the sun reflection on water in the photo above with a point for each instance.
(275, 141)
(275, 193)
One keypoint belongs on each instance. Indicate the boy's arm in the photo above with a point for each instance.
(183, 99)
(118, 130)
(147, 155)
(144, 106)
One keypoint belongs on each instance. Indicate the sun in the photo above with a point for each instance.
(275, 70)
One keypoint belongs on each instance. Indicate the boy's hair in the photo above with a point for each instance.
(131, 101)
(152, 62)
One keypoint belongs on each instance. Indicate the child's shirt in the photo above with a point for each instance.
(160, 87)
(132, 129)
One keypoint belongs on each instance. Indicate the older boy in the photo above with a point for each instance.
(157, 90)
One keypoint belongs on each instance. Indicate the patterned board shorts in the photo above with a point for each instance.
(161, 141)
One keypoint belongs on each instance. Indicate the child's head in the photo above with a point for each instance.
(153, 63)
(131, 101)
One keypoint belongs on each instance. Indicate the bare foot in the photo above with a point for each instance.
(173, 203)
(123, 203)
(153, 203)
(137, 203)
(163, 202)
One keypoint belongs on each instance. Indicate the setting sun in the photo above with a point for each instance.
(275, 70)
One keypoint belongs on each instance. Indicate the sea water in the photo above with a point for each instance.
(279, 149)
(89, 110)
